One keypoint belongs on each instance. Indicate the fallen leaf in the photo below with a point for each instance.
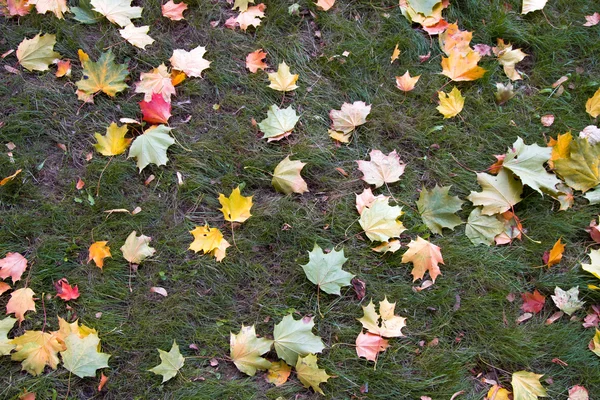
(82, 356)
(425, 256)
(36, 54)
(406, 83)
(21, 301)
(80, 184)
(547, 120)
(235, 208)
(482, 229)
(325, 5)
(437, 209)
(578, 392)
(279, 123)
(157, 110)
(529, 6)
(555, 254)
(395, 55)
(209, 240)
(191, 62)
(360, 288)
(119, 12)
(13, 265)
(567, 301)
(287, 178)
(455, 39)
(380, 221)
(508, 58)
(592, 106)
(9, 178)
(171, 363)
(36, 349)
(241, 5)
(137, 35)
(366, 199)
(173, 11)
(309, 373)
(6, 325)
(369, 345)
(294, 339)
(278, 373)
(483, 49)
(158, 81)
(16, 8)
(57, 7)
(451, 104)
(159, 290)
(66, 291)
(325, 270)
(349, 116)
(102, 76)
(381, 169)
(63, 68)
(114, 142)
(256, 61)
(390, 326)
(103, 381)
(553, 318)
(499, 193)
(391, 246)
(246, 350)
(504, 93)
(580, 169)
(526, 385)
(283, 80)
(151, 147)
(591, 133)
(136, 249)
(4, 287)
(462, 67)
(497, 393)
(251, 17)
(592, 20)
(533, 302)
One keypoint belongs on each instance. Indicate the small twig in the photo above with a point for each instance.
(44, 308)
(233, 236)
(130, 272)
(68, 386)
(547, 20)
(100, 178)
(464, 167)
(319, 302)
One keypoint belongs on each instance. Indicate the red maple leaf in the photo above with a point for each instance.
(66, 291)
(533, 302)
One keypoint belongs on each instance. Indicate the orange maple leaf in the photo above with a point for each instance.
(21, 301)
(406, 83)
(255, 61)
(369, 345)
(425, 256)
(554, 256)
(533, 302)
(98, 252)
(12, 265)
(462, 67)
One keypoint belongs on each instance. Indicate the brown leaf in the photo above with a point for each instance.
(360, 288)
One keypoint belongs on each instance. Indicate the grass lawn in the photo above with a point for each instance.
(44, 217)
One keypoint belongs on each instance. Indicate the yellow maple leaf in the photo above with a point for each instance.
(37, 53)
(380, 220)
(191, 62)
(497, 393)
(391, 325)
(581, 169)
(278, 373)
(283, 80)
(136, 249)
(98, 252)
(58, 7)
(406, 83)
(462, 67)
(561, 147)
(508, 58)
(455, 39)
(36, 349)
(450, 104)
(592, 106)
(246, 350)
(526, 386)
(21, 301)
(65, 329)
(310, 374)
(425, 256)
(114, 142)
(206, 239)
(286, 177)
(236, 208)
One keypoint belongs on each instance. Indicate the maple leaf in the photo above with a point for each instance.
(58, 7)
(209, 240)
(391, 246)
(103, 76)
(66, 329)
(578, 392)
(114, 142)
(394, 57)
(136, 249)
(594, 266)
(437, 209)
(63, 68)
(157, 110)
(137, 36)
(246, 350)
(561, 147)
(455, 39)
(294, 338)
(325, 5)
(82, 356)
(11, 8)
(508, 58)
(527, 163)
(173, 11)
(425, 256)
(241, 5)
(451, 104)
(251, 17)
(4, 287)
(151, 147)
(13, 265)
(36, 54)
(278, 373)
(581, 169)
(482, 229)
(499, 193)
(391, 325)
(349, 116)
(283, 80)
(157, 81)
(504, 93)
(36, 349)
(6, 325)
(380, 221)
(381, 169)
(533, 302)
(567, 301)
(119, 12)
(255, 61)
(529, 6)
(554, 256)
(191, 62)
(406, 83)
(171, 363)
(526, 386)
(66, 291)
(235, 208)
(462, 67)
(366, 199)
(286, 177)
(592, 106)
(325, 270)
(594, 344)
(592, 20)
(21, 301)
(310, 374)
(369, 345)
(497, 393)
(279, 123)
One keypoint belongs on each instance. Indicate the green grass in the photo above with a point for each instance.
(260, 280)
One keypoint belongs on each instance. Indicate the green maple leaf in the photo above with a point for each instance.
(279, 123)
(482, 229)
(171, 362)
(103, 75)
(325, 270)
(5, 326)
(527, 386)
(309, 372)
(151, 147)
(246, 350)
(527, 162)
(593, 196)
(37, 53)
(581, 170)
(499, 193)
(295, 338)
(437, 209)
(82, 356)
(241, 5)
(424, 6)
